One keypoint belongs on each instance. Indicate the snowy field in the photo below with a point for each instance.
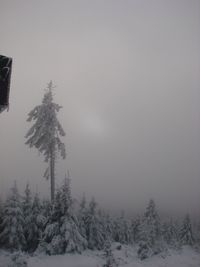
(125, 257)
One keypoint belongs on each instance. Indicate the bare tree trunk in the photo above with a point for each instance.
(52, 175)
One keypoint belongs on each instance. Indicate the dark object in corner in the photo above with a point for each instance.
(5, 76)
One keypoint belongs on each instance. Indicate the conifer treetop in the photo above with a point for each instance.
(46, 131)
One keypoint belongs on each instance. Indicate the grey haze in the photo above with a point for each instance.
(127, 76)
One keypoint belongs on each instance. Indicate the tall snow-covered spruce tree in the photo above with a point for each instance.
(45, 133)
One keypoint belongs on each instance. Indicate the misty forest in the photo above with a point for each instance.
(32, 224)
(100, 133)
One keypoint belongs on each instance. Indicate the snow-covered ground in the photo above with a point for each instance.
(125, 257)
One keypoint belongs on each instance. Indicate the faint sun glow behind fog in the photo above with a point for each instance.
(93, 125)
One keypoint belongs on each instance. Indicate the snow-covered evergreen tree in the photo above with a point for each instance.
(135, 228)
(45, 132)
(1, 217)
(27, 201)
(46, 207)
(143, 250)
(38, 213)
(1, 210)
(150, 232)
(37, 224)
(170, 234)
(197, 233)
(122, 230)
(27, 214)
(107, 223)
(62, 233)
(82, 217)
(186, 233)
(94, 229)
(12, 235)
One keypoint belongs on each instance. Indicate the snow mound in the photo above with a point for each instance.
(126, 256)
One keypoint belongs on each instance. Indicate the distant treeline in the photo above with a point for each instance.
(31, 224)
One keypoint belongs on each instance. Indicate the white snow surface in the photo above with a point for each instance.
(125, 257)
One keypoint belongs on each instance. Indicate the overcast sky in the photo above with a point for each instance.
(127, 76)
